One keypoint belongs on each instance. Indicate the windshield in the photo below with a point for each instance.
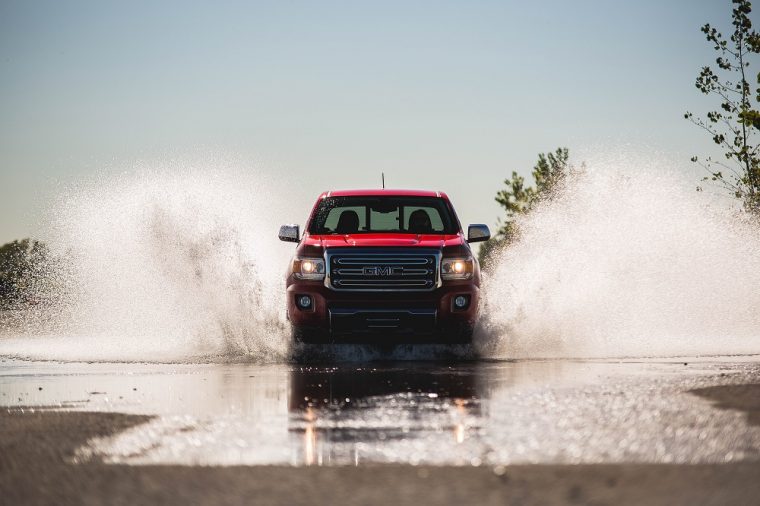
(362, 215)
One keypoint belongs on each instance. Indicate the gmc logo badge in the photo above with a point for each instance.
(381, 271)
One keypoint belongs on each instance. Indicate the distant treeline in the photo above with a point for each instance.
(22, 265)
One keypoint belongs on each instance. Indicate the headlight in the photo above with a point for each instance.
(309, 268)
(457, 268)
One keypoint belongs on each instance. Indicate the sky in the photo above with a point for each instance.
(440, 95)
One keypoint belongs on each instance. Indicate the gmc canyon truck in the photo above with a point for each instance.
(383, 266)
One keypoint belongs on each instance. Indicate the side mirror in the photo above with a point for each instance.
(290, 233)
(478, 233)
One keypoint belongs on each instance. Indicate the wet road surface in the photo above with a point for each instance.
(460, 413)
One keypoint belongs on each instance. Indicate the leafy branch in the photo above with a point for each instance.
(735, 125)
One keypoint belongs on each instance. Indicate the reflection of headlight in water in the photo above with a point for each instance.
(310, 439)
(459, 428)
(459, 432)
(310, 444)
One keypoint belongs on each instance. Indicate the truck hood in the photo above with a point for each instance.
(436, 241)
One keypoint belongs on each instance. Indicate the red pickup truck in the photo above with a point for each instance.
(383, 266)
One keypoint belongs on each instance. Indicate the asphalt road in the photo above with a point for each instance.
(669, 431)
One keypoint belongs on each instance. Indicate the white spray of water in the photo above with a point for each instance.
(174, 263)
(628, 260)
(181, 262)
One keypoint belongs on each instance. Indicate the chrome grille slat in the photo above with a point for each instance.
(379, 282)
(353, 269)
(360, 272)
(383, 261)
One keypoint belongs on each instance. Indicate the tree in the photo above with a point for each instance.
(734, 126)
(21, 264)
(518, 199)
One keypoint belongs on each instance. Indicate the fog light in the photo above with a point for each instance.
(304, 301)
(460, 301)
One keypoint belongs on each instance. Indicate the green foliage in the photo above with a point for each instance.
(20, 264)
(518, 199)
(735, 125)
(489, 248)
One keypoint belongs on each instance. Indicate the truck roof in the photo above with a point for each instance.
(383, 192)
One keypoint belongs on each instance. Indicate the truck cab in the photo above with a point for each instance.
(383, 266)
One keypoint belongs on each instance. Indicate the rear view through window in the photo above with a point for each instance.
(357, 215)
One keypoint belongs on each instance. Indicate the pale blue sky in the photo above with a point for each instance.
(440, 95)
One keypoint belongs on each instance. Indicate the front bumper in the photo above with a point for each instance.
(342, 316)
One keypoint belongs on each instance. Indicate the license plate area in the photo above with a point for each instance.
(366, 320)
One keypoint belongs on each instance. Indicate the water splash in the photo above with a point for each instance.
(628, 260)
(172, 263)
(180, 262)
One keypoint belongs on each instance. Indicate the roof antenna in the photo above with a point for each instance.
(383, 176)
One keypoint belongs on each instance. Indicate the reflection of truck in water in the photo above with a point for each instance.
(358, 387)
(385, 266)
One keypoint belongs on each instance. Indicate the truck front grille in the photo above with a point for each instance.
(382, 270)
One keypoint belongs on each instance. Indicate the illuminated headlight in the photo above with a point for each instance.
(457, 268)
(309, 268)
